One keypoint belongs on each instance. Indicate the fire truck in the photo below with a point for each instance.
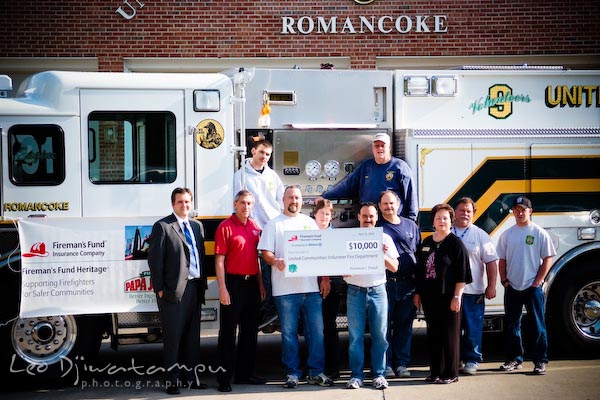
(89, 161)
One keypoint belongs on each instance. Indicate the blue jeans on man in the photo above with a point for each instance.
(402, 312)
(533, 300)
(473, 309)
(367, 304)
(290, 308)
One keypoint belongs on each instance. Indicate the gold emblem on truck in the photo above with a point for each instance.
(209, 134)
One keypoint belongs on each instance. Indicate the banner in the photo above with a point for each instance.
(75, 266)
(330, 252)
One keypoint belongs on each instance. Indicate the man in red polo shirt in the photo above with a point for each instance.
(240, 292)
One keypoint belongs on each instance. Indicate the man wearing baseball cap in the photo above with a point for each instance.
(525, 252)
(378, 174)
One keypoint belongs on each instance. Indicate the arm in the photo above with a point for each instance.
(347, 187)
(502, 271)
(491, 270)
(542, 272)
(273, 261)
(325, 286)
(156, 256)
(411, 208)
(261, 285)
(459, 288)
(220, 270)
(391, 263)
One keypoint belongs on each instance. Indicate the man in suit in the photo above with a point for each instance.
(176, 258)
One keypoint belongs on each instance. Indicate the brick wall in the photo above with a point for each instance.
(227, 28)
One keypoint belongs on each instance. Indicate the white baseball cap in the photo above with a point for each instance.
(382, 137)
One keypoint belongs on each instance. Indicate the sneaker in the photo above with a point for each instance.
(267, 324)
(389, 372)
(402, 372)
(291, 382)
(446, 381)
(321, 380)
(380, 383)
(511, 365)
(354, 383)
(470, 368)
(540, 368)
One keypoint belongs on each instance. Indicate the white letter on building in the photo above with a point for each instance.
(421, 23)
(124, 14)
(348, 26)
(399, 24)
(324, 27)
(287, 25)
(369, 24)
(440, 23)
(381, 22)
(311, 25)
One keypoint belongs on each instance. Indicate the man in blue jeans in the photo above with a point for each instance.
(483, 260)
(526, 252)
(367, 301)
(295, 297)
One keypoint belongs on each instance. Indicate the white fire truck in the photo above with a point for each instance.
(89, 161)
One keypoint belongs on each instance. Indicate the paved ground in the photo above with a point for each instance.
(127, 375)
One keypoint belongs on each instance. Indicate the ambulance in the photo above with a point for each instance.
(89, 161)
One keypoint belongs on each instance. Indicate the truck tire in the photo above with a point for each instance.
(51, 348)
(574, 310)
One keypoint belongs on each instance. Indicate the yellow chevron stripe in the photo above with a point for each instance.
(536, 186)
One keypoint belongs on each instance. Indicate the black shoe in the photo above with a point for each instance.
(198, 385)
(253, 380)
(173, 390)
(448, 380)
(224, 387)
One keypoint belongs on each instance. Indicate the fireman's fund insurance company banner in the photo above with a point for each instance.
(87, 266)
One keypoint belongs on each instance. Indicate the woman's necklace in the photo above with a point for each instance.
(438, 243)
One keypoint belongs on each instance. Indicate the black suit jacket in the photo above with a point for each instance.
(169, 257)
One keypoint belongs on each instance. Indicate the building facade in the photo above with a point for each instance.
(212, 35)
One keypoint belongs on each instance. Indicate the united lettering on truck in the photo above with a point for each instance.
(37, 206)
(572, 96)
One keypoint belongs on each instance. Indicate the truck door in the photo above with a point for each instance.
(134, 151)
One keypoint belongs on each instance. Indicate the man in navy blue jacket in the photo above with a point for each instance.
(375, 175)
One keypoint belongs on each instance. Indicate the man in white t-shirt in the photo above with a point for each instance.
(297, 296)
(483, 260)
(526, 252)
(367, 301)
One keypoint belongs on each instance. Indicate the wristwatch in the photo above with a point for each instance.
(504, 282)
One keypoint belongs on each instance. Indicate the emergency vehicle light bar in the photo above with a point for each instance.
(442, 85)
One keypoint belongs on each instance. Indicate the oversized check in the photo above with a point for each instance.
(328, 252)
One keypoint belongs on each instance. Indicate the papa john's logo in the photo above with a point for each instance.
(37, 250)
(141, 283)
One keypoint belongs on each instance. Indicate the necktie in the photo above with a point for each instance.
(194, 267)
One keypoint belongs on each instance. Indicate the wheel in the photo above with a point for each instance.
(574, 309)
(51, 348)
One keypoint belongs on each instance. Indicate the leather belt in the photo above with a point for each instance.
(240, 276)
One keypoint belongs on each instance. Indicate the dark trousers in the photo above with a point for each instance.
(443, 334)
(267, 307)
(401, 316)
(331, 306)
(533, 300)
(242, 313)
(181, 335)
